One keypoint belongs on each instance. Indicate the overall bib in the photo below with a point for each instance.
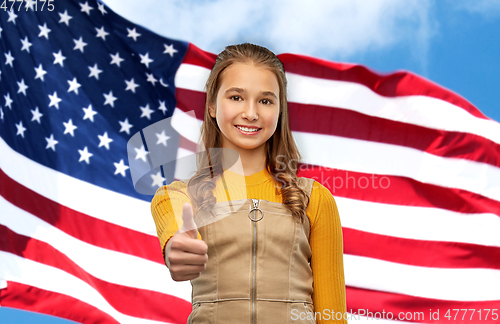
(258, 267)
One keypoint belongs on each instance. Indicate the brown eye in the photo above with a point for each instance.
(235, 98)
(266, 102)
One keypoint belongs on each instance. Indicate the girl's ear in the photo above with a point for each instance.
(211, 110)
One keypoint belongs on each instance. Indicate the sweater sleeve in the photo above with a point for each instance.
(327, 262)
(166, 208)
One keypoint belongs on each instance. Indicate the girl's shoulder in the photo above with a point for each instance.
(176, 189)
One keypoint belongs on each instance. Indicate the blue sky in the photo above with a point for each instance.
(453, 43)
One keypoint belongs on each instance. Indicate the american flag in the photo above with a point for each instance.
(414, 169)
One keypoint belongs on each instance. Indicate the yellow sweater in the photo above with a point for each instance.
(325, 237)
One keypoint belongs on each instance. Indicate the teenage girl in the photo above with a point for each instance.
(277, 258)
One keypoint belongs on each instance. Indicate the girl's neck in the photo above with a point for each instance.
(250, 161)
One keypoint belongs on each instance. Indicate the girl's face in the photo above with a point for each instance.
(248, 97)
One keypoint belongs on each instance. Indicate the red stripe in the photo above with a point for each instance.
(127, 300)
(396, 84)
(333, 121)
(400, 190)
(305, 118)
(197, 56)
(419, 252)
(378, 301)
(77, 224)
(34, 299)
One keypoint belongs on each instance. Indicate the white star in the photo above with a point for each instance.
(125, 126)
(59, 58)
(8, 101)
(40, 72)
(51, 142)
(104, 140)
(116, 59)
(94, 71)
(69, 128)
(1, 114)
(65, 17)
(44, 31)
(131, 85)
(162, 138)
(101, 8)
(146, 111)
(54, 100)
(89, 113)
(22, 87)
(26, 44)
(141, 153)
(121, 168)
(36, 115)
(110, 99)
(132, 33)
(9, 59)
(157, 179)
(84, 155)
(79, 44)
(151, 78)
(20, 129)
(101, 33)
(169, 49)
(1, 32)
(73, 85)
(145, 59)
(86, 8)
(12, 16)
(162, 107)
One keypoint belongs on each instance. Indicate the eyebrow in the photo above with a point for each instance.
(240, 90)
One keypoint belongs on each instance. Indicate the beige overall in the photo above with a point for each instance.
(258, 267)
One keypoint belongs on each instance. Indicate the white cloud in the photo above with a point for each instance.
(487, 8)
(329, 29)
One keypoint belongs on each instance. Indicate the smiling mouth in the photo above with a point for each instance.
(248, 129)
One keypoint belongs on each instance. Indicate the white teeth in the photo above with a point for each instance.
(248, 129)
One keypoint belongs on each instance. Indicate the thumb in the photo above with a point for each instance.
(188, 224)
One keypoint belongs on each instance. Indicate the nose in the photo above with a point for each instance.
(250, 111)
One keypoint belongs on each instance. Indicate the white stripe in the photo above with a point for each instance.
(108, 265)
(418, 110)
(386, 159)
(28, 272)
(113, 207)
(435, 283)
(419, 223)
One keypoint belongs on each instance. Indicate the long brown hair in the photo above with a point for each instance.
(280, 145)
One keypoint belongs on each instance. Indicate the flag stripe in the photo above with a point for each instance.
(139, 302)
(419, 223)
(378, 301)
(28, 272)
(71, 222)
(401, 191)
(34, 299)
(434, 283)
(89, 257)
(416, 252)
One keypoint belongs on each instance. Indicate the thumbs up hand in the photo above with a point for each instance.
(185, 255)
